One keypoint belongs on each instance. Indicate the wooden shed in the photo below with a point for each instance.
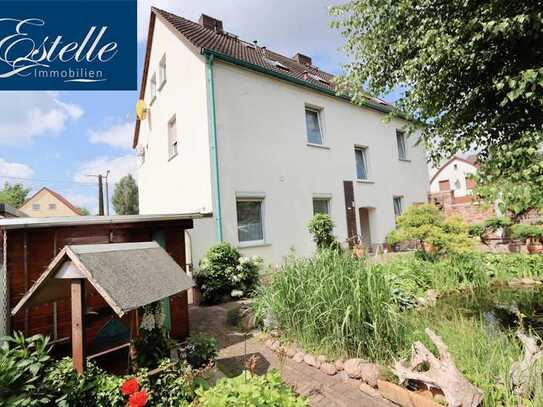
(127, 276)
(28, 246)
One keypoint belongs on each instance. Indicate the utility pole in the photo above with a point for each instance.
(100, 193)
(107, 193)
(100, 196)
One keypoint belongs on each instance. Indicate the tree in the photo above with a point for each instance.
(125, 196)
(514, 199)
(471, 73)
(83, 211)
(13, 195)
(434, 233)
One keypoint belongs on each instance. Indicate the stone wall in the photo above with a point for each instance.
(470, 210)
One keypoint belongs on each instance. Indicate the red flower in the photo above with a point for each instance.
(138, 399)
(130, 386)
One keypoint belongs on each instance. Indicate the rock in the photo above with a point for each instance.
(311, 361)
(276, 345)
(269, 343)
(275, 333)
(291, 350)
(353, 368)
(431, 297)
(369, 372)
(248, 322)
(328, 368)
(321, 358)
(370, 391)
(299, 357)
(339, 364)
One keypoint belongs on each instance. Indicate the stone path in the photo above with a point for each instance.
(235, 348)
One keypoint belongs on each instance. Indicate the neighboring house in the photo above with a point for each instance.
(48, 203)
(263, 142)
(454, 176)
(7, 211)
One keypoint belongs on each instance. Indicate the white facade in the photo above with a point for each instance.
(453, 176)
(264, 155)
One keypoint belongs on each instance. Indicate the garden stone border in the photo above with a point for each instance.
(367, 373)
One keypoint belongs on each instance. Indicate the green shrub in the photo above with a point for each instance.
(95, 387)
(153, 344)
(23, 364)
(336, 303)
(268, 390)
(524, 232)
(321, 227)
(435, 234)
(201, 350)
(224, 273)
(176, 385)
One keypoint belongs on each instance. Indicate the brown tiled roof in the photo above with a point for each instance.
(204, 40)
(59, 197)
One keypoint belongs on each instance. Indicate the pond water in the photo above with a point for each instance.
(501, 308)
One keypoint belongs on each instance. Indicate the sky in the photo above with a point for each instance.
(58, 139)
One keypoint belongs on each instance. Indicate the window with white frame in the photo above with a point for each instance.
(250, 219)
(321, 205)
(52, 206)
(313, 126)
(361, 158)
(36, 207)
(400, 140)
(172, 137)
(152, 87)
(398, 205)
(162, 72)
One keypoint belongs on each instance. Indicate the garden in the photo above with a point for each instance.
(446, 305)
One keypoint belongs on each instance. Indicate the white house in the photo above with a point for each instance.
(454, 176)
(263, 142)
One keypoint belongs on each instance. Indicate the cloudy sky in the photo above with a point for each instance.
(57, 139)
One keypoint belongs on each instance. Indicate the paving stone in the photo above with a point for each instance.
(323, 390)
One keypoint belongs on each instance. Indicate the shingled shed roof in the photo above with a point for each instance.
(126, 275)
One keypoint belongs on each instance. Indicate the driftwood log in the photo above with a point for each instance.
(522, 369)
(441, 373)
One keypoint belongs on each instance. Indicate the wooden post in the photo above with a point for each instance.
(78, 324)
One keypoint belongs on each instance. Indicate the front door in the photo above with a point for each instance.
(364, 215)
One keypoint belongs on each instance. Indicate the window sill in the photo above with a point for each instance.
(173, 156)
(318, 146)
(161, 85)
(405, 160)
(247, 245)
(365, 181)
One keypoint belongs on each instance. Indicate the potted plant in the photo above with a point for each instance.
(531, 234)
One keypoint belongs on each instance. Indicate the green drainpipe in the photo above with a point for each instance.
(214, 152)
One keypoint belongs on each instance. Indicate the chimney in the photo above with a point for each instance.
(302, 59)
(210, 23)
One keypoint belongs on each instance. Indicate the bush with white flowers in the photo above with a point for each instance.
(225, 274)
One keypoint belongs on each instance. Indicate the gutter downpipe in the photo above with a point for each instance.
(214, 153)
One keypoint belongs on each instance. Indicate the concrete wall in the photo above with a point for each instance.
(263, 151)
(40, 206)
(182, 183)
(455, 172)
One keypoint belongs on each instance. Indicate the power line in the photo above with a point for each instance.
(87, 184)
